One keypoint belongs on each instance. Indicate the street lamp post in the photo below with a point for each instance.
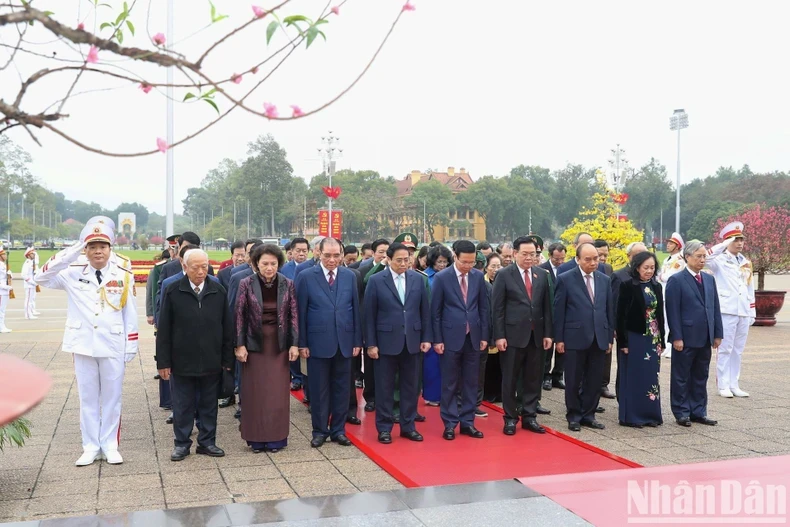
(329, 153)
(678, 121)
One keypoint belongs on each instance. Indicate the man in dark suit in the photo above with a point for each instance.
(379, 248)
(312, 262)
(460, 312)
(174, 266)
(584, 331)
(617, 278)
(238, 256)
(553, 378)
(300, 248)
(521, 305)
(694, 316)
(602, 246)
(330, 334)
(580, 238)
(397, 330)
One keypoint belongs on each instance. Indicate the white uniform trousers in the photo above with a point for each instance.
(3, 306)
(30, 301)
(100, 382)
(728, 358)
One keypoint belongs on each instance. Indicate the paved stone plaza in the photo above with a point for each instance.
(41, 481)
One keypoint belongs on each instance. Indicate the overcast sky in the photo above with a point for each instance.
(481, 85)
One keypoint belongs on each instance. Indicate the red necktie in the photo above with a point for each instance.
(331, 278)
(528, 283)
(698, 277)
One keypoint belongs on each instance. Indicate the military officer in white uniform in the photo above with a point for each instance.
(101, 333)
(5, 288)
(733, 273)
(674, 263)
(119, 259)
(29, 275)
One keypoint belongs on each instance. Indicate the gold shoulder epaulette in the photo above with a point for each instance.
(125, 269)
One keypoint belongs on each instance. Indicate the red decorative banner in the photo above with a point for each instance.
(620, 199)
(323, 222)
(622, 217)
(332, 192)
(337, 224)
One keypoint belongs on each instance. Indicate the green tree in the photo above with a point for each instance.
(572, 192)
(703, 226)
(649, 192)
(438, 199)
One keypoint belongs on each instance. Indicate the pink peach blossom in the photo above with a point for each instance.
(159, 39)
(408, 6)
(235, 78)
(336, 9)
(270, 110)
(297, 111)
(81, 26)
(146, 87)
(258, 11)
(93, 55)
(162, 145)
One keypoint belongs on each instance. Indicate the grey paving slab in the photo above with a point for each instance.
(535, 511)
(388, 519)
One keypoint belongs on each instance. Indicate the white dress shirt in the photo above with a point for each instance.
(592, 279)
(198, 287)
(326, 272)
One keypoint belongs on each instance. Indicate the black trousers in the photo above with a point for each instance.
(688, 392)
(607, 372)
(481, 378)
(459, 379)
(190, 394)
(369, 392)
(405, 367)
(523, 364)
(357, 367)
(583, 373)
(329, 385)
(555, 374)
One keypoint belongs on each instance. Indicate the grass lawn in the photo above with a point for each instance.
(16, 258)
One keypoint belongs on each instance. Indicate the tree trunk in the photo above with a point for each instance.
(760, 280)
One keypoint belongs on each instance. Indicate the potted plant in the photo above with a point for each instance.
(767, 232)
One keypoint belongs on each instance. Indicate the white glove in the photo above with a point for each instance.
(129, 357)
(751, 321)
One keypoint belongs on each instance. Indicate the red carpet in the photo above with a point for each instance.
(736, 492)
(466, 460)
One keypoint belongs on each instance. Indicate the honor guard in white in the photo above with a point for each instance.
(5, 288)
(673, 264)
(733, 273)
(29, 276)
(101, 333)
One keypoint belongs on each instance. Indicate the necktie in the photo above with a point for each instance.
(197, 290)
(98, 276)
(331, 278)
(528, 283)
(463, 292)
(698, 278)
(401, 289)
(589, 288)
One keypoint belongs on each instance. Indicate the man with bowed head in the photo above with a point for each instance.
(101, 333)
(695, 324)
(584, 332)
(461, 318)
(330, 333)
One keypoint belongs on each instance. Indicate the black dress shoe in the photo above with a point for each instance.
(237, 414)
(542, 410)
(157, 377)
(169, 419)
(531, 424)
(510, 428)
(296, 386)
(396, 418)
(547, 385)
(258, 450)
(211, 450)
(683, 421)
(558, 383)
(318, 441)
(370, 407)
(414, 435)
(385, 437)
(306, 400)
(600, 410)
(472, 432)
(573, 426)
(359, 384)
(353, 420)
(342, 440)
(606, 394)
(179, 453)
(597, 425)
(449, 434)
(419, 418)
(704, 421)
(224, 403)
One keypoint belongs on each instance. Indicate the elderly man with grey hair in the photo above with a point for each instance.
(193, 346)
(617, 278)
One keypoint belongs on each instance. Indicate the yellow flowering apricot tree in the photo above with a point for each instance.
(602, 220)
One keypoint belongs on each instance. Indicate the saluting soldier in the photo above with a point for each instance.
(101, 333)
(733, 273)
(673, 264)
(5, 288)
(28, 275)
(119, 259)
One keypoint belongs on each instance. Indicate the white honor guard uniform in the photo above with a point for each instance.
(733, 275)
(5, 289)
(101, 333)
(29, 276)
(673, 264)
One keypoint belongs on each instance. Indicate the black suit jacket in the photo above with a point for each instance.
(618, 277)
(515, 314)
(631, 310)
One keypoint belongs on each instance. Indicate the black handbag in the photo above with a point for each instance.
(228, 385)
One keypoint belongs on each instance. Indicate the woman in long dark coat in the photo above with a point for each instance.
(267, 331)
(640, 339)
